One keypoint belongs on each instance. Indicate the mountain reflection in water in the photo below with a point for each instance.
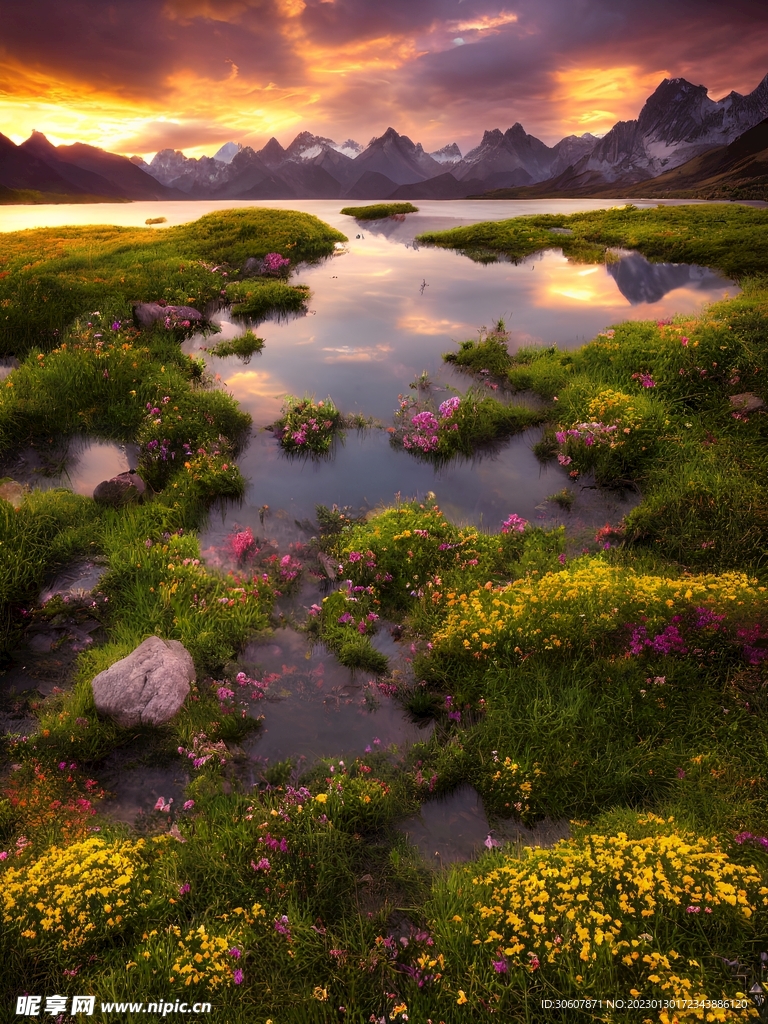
(641, 281)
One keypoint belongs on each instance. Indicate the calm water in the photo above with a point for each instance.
(382, 312)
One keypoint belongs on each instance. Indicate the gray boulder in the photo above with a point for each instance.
(147, 313)
(120, 490)
(746, 402)
(253, 267)
(148, 687)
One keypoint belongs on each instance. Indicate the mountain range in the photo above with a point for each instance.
(680, 139)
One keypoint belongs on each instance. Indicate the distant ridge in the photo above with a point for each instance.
(681, 140)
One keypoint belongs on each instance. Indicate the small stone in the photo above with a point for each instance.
(13, 492)
(747, 401)
(120, 490)
(147, 313)
(148, 687)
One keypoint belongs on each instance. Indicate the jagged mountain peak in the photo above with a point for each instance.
(272, 153)
(450, 154)
(227, 152)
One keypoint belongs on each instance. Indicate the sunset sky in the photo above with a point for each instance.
(135, 76)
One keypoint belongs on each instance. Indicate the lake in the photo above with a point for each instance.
(382, 312)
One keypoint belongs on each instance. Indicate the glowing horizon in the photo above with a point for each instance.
(194, 74)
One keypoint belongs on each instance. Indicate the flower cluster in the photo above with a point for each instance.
(514, 524)
(425, 428)
(308, 426)
(212, 960)
(583, 604)
(603, 910)
(76, 894)
(274, 263)
(204, 750)
(509, 787)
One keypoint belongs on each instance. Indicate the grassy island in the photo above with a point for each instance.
(618, 685)
(378, 211)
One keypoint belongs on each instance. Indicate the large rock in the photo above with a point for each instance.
(121, 489)
(148, 687)
(147, 313)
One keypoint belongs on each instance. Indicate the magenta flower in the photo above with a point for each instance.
(263, 865)
(184, 889)
(238, 976)
(500, 966)
(188, 805)
(235, 952)
(3, 855)
(515, 523)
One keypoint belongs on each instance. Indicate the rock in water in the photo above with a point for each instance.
(148, 687)
(121, 489)
(147, 313)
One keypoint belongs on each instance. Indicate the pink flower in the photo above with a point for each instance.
(184, 889)
(235, 952)
(3, 855)
(263, 865)
(238, 976)
(514, 523)
(684, 342)
(188, 805)
(564, 460)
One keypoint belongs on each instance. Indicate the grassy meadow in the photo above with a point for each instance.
(620, 684)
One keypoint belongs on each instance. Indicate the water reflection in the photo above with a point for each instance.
(317, 708)
(449, 830)
(642, 282)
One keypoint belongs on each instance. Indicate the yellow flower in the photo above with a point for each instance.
(321, 798)
(462, 998)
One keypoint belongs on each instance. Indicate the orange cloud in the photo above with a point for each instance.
(593, 99)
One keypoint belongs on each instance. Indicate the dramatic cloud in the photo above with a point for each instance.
(139, 75)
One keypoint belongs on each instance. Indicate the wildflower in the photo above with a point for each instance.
(321, 798)
(462, 997)
(500, 966)
(188, 805)
(235, 952)
(263, 865)
(564, 460)
(514, 524)
(237, 976)
(184, 889)
(3, 855)
(561, 559)
(490, 842)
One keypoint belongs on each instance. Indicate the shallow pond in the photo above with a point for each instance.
(314, 707)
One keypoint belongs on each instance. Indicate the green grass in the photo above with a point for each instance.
(377, 211)
(243, 346)
(257, 299)
(460, 426)
(729, 238)
(590, 688)
(50, 276)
